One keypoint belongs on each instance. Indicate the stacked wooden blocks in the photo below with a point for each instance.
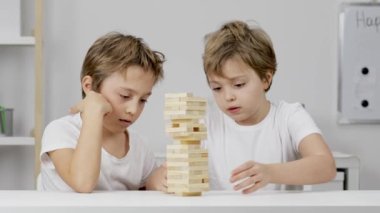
(187, 163)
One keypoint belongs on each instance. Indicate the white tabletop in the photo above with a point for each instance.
(221, 201)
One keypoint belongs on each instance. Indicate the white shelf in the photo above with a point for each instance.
(16, 141)
(22, 40)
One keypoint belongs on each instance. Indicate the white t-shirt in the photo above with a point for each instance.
(127, 173)
(273, 140)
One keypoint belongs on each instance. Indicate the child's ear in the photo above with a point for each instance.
(86, 84)
(268, 80)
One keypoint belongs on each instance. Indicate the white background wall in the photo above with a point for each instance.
(304, 33)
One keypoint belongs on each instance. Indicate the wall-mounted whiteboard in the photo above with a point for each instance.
(359, 63)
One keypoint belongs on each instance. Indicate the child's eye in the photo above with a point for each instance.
(143, 101)
(216, 89)
(240, 85)
(124, 96)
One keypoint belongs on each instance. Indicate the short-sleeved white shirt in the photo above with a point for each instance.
(274, 140)
(127, 173)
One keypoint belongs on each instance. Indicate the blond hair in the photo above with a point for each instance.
(115, 52)
(236, 38)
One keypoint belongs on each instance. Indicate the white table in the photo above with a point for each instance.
(214, 201)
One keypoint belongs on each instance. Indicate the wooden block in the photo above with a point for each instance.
(190, 157)
(187, 176)
(188, 134)
(182, 137)
(183, 121)
(178, 177)
(190, 173)
(173, 182)
(187, 168)
(186, 155)
(171, 150)
(171, 163)
(188, 194)
(194, 187)
(186, 181)
(187, 141)
(181, 107)
(178, 102)
(185, 99)
(184, 117)
(182, 191)
(189, 125)
(189, 160)
(193, 125)
(194, 152)
(188, 186)
(168, 113)
(175, 147)
(185, 127)
(178, 95)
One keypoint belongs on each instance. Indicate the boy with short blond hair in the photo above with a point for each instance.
(94, 149)
(254, 143)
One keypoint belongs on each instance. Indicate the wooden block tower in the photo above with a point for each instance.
(187, 163)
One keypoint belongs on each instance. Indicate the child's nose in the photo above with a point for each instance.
(229, 96)
(131, 108)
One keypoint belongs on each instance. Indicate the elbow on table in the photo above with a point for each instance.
(83, 189)
(330, 172)
(83, 186)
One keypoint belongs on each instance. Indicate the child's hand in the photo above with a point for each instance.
(158, 179)
(250, 176)
(93, 103)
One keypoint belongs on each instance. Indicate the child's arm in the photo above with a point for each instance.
(317, 165)
(80, 167)
(157, 179)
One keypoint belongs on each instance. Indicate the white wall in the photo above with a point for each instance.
(304, 34)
